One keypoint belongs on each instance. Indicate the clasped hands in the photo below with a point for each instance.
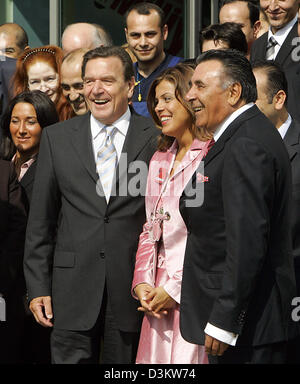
(154, 301)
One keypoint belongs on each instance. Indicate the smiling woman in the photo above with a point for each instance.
(39, 69)
(22, 124)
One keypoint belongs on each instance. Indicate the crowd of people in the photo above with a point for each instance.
(148, 202)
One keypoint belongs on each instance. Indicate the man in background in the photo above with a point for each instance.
(146, 32)
(278, 45)
(71, 80)
(272, 95)
(223, 36)
(13, 41)
(243, 12)
(84, 35)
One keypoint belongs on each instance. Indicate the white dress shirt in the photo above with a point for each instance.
(285, 126)
(99, 135)
(215, 332)
(281, 35)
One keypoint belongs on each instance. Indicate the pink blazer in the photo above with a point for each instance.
(169, 189)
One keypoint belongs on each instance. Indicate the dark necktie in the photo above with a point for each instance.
(271, 48)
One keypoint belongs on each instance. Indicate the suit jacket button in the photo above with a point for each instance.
(102, 254)
(106, 219)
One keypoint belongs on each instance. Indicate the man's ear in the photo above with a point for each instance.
(256, 28)
(131, 85)
(234, 94)
(126, 33)
(279, 100)
(165, 32)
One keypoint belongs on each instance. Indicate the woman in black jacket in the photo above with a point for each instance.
(12, 286)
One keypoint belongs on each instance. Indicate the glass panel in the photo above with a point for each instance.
(33, 16)
(110, 13)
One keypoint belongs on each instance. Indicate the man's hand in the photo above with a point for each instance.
(214, 347)
(41, 308)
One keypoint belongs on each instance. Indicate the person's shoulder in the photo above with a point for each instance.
(171, 60)
(62, 126)
(7, 170)
(5, 164)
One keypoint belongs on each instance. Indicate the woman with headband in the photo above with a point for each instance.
(39, 69)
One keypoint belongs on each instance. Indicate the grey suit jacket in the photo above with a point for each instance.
(93, 243)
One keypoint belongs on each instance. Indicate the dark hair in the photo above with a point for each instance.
(276, 80)
(45, 111)
(145, 9)
(179, 76)
(252, 6)
(237, 70)
(105, 52)
(229, 33)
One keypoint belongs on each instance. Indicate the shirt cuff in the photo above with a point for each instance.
(221, 335)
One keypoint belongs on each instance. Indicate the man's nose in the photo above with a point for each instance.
(98, 86)
(73, 95)
(273, 5)
(190, 95)
(143, 41)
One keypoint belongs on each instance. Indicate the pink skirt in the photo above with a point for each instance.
(161, 341)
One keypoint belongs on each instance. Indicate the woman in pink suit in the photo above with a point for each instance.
(159, 260)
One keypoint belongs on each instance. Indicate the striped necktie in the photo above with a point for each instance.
(107, 161)
(271, 48)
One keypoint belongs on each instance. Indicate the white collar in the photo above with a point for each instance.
(285, 126)
(222, 127)
(121, 124)
(281, 35)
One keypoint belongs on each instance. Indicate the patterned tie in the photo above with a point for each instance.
(212, 142)
(271, 48)
(107, 161)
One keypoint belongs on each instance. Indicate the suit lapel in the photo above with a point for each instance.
(82, 142)
(138, 135)
(287, 46)
(229, 132)
(28, 178)
(291, 140)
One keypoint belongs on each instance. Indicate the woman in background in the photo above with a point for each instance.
(22, 123)
(39, 69)
(25, 117)
(12, 287)
(159, 259)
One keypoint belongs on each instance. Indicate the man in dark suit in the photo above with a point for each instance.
(278, 44)
(12, 288)
(238, 277)
(86, 184)
(272, 95)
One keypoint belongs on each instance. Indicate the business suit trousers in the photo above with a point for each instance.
(267, 354)
(104, 343)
